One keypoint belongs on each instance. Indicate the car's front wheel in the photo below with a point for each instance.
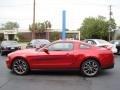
(20, 66)
(90, 68)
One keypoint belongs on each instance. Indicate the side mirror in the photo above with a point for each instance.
(46, 50)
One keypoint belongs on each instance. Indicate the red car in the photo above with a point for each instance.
(62, 55)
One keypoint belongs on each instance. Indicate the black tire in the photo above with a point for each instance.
(118, 51)
(90, 68)
(20, 66)
(2, 53)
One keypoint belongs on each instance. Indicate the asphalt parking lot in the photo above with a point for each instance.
(49, 80)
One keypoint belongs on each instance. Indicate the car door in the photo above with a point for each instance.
(60, 55)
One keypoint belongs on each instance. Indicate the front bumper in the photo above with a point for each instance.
(109, 67)
(8, 63)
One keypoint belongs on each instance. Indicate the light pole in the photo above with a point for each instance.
(110, 28)
(63, 25)
(33, 25)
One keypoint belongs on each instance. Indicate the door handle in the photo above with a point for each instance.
(67, 54)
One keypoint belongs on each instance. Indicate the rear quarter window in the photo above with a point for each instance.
(83, 46)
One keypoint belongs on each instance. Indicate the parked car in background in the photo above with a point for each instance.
(102, 43)
(62, 55)
(37, 43)
(117, 44)
(9, 46)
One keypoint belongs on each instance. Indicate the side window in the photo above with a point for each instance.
(61, 47)
(82, 46)
(91, 42)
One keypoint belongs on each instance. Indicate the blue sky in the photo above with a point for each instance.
(76, 10)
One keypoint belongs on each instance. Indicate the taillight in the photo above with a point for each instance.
(107, 46)
(3, 48)
(19, 48)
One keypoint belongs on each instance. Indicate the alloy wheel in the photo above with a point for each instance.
(20, 66)
(90, 68)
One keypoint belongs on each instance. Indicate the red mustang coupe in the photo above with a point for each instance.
(62, 55)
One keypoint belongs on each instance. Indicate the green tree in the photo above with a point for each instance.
(20, 36)
(41, 27)
(47, 28)
(112, 22)
(55, 36)
(10, 25)
(38, 28)
(96, 27)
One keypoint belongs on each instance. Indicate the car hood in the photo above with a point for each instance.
(24, 52)
(11, 46)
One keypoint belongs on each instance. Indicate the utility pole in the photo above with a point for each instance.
(33, 25)
(110, 28)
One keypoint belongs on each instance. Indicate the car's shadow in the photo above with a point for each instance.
(106, 73)
(103, 73)
(54, 73)
(117, 54)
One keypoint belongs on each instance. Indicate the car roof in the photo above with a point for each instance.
(76, 41)
(96, 40)
(114, 40)
(39, 39)
(93, 39)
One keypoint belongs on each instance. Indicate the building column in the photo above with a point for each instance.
(15, 37)
(6, 37)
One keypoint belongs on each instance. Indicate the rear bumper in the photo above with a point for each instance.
(107, 60)
(114, 50)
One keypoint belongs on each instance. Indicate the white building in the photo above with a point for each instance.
(9, 34)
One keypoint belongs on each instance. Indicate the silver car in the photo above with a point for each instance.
(37, 43)
(102, 43)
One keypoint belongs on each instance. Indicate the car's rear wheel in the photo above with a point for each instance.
(90, 68)
(20, 66)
